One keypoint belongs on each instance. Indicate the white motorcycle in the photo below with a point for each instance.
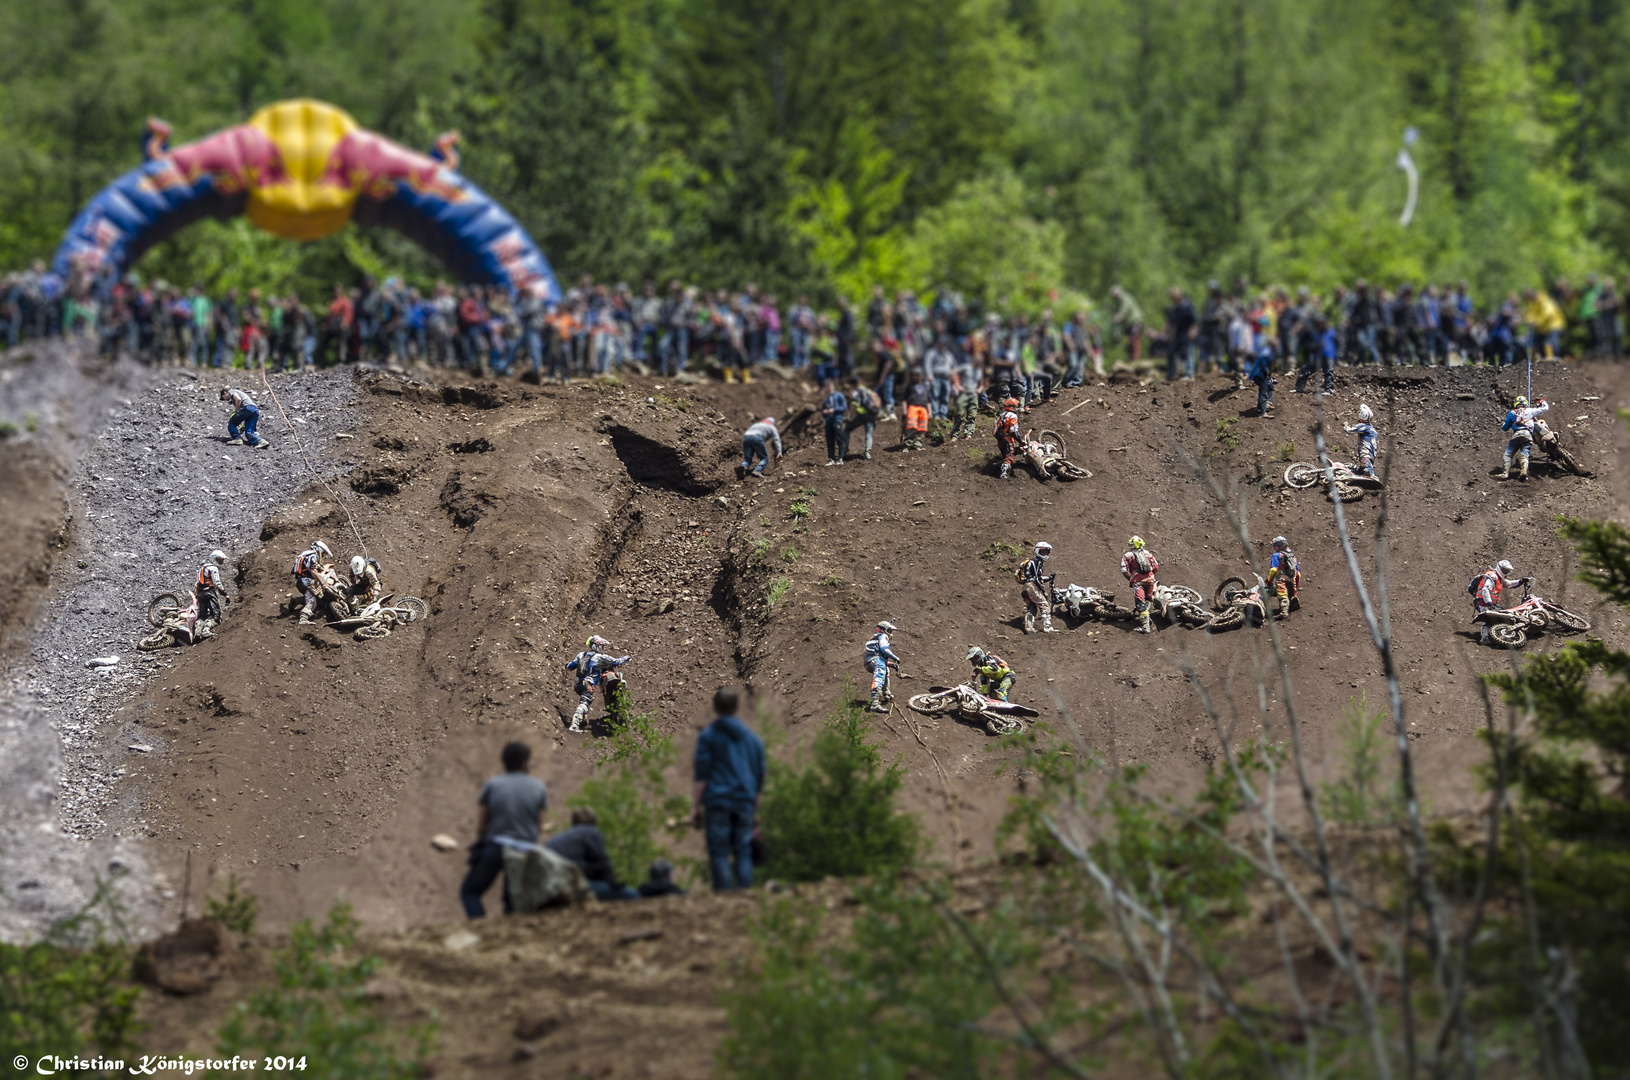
(999, 717)
(376, 619)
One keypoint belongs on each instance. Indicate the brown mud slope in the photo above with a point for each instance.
(529, 517)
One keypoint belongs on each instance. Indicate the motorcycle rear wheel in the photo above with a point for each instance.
(1184, 594)
(158, 639)
(162, 607)
(1346, 492)
(1114, 611)
(1066, 471)
(1567, 461)
(1507, 636)
(999, 725)
(1226, 620)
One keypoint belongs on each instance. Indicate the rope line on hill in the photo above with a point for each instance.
(294, 433)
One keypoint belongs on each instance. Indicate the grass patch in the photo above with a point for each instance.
(233, 909)
(777, 589)
(611, 381)
(759, 550)
(8, 428)
(1285, 451)
(799, 509)
(1226, 435)
(789, 554)
(831, 579)
(998, 548)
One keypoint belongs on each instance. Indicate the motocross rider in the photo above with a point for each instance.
(305, 576)
(879, 656)
(1520, 422)
(211, 594)
(1007, 434)
(365, 584)
(1487, 588)
(1284, 575)
(991, 673)
(1038, 590)
(1139, 567)
(592, 665)
(1368, 437)
(245, 418)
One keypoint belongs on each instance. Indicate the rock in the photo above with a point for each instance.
(185, 962)
(722, 503)
(139, 748)
(459, 940)
(535, 1026)
(380, 988)
(101, 661)
(443, 842)
(527, 1050)
(649, 933)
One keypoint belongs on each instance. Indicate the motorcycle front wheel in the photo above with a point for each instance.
(1184, 595)
(1299, 474)
(1224, 596)
(1507, 636)
(1055, 438)
(933, 703)
(412, 608)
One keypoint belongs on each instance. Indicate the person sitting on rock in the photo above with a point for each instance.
(305, 576)
(584, 845)
(211, 594)
(365, 584)
(991, 674)
(1368, 437)
(592, 665)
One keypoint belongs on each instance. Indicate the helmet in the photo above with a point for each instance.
(770, 420)
(1010, 403)
(886, 626)
(595, 641)
(1520, 403)
(318, 545)
(1044, 549)
(1505, 568)
(975, 653)
(357, 563)
(1366, 413)
(1136, 543)
(1280, 542)
(217, 556)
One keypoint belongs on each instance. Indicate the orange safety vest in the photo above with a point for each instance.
(916, 418)
(203, 577)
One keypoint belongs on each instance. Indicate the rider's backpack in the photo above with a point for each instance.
(1475, 582)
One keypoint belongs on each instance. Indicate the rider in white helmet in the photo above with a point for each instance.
(879, 656)
(211, 594)
(1368, 437)
(305, 570)
(1487, 588)
(1038, 590)
(365, 584)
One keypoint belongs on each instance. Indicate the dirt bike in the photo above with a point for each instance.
(1550, 442)
(1238, 605)
(1181, 604)
(330, 592)
(999, 717)
(176, 625)
(376, 619)
(1350, 484)
(1509, 628)
(1045, 451)
(1085, 602)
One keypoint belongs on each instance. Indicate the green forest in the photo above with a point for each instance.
(1006, 148)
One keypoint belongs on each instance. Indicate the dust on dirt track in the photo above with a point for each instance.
(530, 516)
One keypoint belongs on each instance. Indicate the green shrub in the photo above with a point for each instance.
(1356, 797)
(835, 815)
(234, 910)
(319, 1014)
(8, 428)
(777, 589)
(631, 797)
(789, 554)
(68, 993)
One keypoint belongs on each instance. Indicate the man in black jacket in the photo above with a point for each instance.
(583, 845)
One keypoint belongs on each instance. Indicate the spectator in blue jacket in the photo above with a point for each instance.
(833, 408)
(729, 774)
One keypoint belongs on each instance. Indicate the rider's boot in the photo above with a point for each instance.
(875, 705)
(1143, 622)
(1284, 607)
(1007, 469)
(579, 716)
(1029, 621)
(1505, 467)
(1522, 467)
(306, 613)
(1047, 622)
(1483, 633)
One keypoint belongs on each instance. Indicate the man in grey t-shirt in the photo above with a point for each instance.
(512, 806)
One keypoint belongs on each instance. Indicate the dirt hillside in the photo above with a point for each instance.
(529, 517)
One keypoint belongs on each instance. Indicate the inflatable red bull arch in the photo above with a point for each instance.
(301, 170)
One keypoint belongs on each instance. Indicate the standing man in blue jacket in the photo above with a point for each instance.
(729, 774)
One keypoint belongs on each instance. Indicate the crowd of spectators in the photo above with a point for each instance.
(598, 329)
